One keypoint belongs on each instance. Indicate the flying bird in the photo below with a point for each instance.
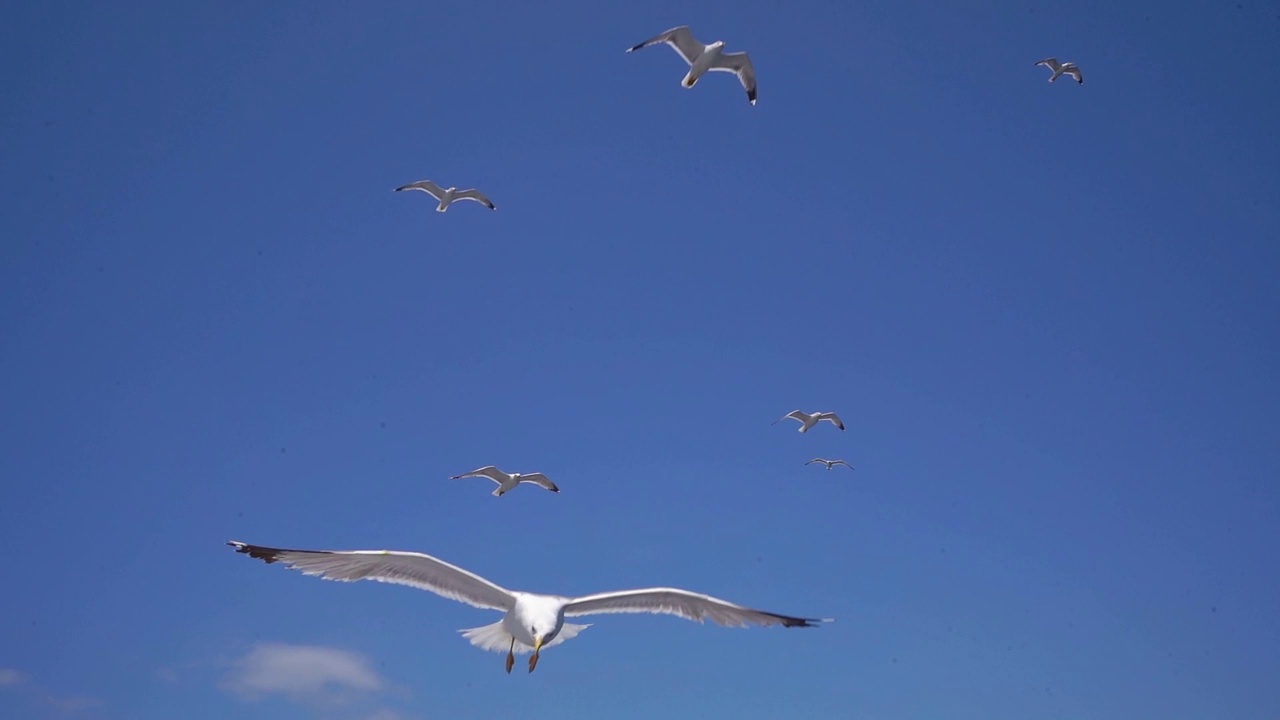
(706, 58)
(531, 622)
(447, 196)
(507, 481)
(808, 420)
(1060, 69)
(829, 463)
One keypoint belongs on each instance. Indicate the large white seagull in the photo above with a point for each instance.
(531, 621)
(705, 58)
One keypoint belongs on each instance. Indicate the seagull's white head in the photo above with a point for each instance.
(542, 633)
(716, 45)
(544, 621)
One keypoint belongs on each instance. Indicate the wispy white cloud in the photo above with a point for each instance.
(301, 672)
(333, 682)
(20, 682)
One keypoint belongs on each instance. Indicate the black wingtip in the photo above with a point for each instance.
(803, 622)
(265, 554)
(751, 96)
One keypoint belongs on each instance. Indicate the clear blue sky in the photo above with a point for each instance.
(1048, 315)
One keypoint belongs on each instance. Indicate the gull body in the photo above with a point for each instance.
(829, 463)
(447, 196)
(508, 481)
(531, 622)
(705, 58)
(1059, 69)
(808, 420)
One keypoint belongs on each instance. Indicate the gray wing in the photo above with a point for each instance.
(841, 462)
(680, 39)
(402, 568)
(540, 480)
(740, 65)
(474, 194)
(1051, 63)
(831, 417)
(1074, 72)
(682, 603)
(796, 414)
(816, 460)
(425, 186)
(487, 471)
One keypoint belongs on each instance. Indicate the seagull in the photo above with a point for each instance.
(507, 481)
(1060, 69)
(809, 420)
(706, 58)
(531, 621)
(829, 463)
(446, 197)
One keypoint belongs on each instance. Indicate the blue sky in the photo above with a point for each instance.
(1047, 314)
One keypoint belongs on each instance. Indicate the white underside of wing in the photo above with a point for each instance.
(401, 568)
(682, 603)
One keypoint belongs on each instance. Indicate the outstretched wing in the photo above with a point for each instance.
(488, 471)
(1051, 63)
(390, 566)
(680, 39)
(841, 462)
(425, 186)
(540, 480)
(816, 460)
(682, 603)
(474, 194)
(796, 414)
(739, 64)
(1074, 72)
(832, 418)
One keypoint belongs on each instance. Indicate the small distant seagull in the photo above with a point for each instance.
(809, 420)
(706, 58)
(447, 196)
(829, 463)
(507, 481)
(1060, 69)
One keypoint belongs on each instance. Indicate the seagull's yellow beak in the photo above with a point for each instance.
(537, 644)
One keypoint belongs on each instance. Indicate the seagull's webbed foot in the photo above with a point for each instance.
(511, 656)
(533, 661)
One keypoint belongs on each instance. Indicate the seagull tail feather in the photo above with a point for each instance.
(568, 631)
(494, 638)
